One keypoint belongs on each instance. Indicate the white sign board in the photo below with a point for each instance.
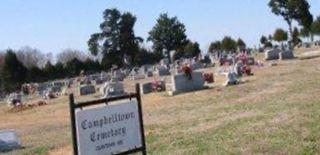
(109, 129)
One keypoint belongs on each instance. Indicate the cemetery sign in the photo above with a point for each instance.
(108, 129)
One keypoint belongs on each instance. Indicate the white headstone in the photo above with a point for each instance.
(112, 89)
(272, 54)
(163, 71)
(9, 140)
(286, 55)
(231, 79)
(182, 83)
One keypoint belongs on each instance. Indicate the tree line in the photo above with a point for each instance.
(292, 11)
(116, 44)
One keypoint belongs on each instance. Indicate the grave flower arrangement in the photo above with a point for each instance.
(187, 71)
(246, 70)
(208, 77)
(158, 86)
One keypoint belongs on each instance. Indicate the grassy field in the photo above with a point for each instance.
(276, 111)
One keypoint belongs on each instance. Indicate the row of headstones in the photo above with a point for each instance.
(143, 73)
(179, 83)
(182, 83)
(108, 89)
(277, 54)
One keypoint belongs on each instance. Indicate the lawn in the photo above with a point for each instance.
(276, 111)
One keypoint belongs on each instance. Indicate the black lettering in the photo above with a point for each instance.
(93, 136)
(83, 124)
(124, 131)
(120, 142)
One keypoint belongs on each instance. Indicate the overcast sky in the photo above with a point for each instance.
(59, 24)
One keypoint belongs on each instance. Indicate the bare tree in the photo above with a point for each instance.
(69, 54)
(31, 57)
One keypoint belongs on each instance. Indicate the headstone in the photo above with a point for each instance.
(286, 55)
(9, 140)
(55, 89)
(212, 58)
(149, 74)
(231, 79)
(196, 65)
(117, 74)
(87, 90)
(111, 88)
(14, 99)
(272, 54)
(101, 80)
(98, 81)
(250, 61)
(94, 77)
(43, 87)
(182, 83)
(58, 84)
(138, 77)
(85, 81)
(164, 62)
(163, 71)
(146, 88)
(238, 68)
(306, 45)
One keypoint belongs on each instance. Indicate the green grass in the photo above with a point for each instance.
(277, 111)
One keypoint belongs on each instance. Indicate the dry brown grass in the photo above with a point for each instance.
(276, 111)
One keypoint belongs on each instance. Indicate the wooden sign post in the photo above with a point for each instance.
(100, 128)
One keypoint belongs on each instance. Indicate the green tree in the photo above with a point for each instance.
(291, 10)
(69, 54)
(316, 26)
(214, 47)
(296, 40)
(146, 56)
(192, 50)
(1, 66)
(129, 43)
(60, 71)
(117, 42)
(228, 44)
(263, 40)
(268, 44)
(241, 44)
(35, 74)
(74, 67)
(304, 33)
(49, 71)
(92, 66)
(280, 35)
(167, 35)
(13, 72)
